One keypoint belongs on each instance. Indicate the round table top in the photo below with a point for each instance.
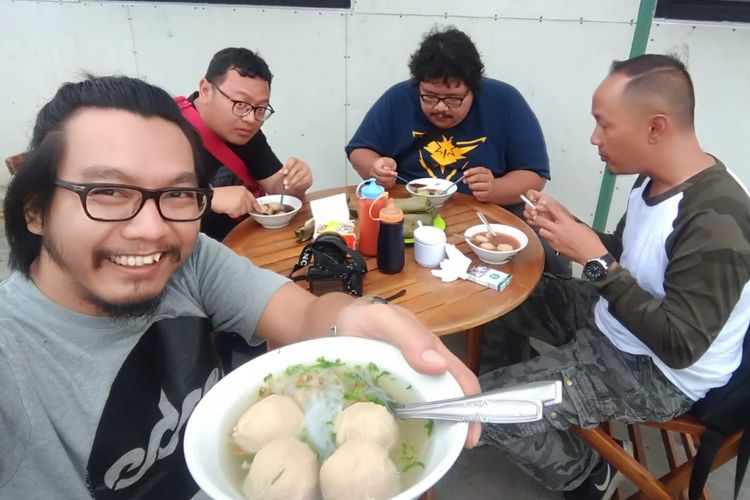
(444, 308)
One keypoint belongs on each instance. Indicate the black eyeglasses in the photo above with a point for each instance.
(242, 108)
(120, 202)
(450, 101)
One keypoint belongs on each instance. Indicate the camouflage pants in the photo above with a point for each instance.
(600, 382)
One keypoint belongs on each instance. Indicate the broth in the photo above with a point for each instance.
(497, 242)
(317, 388)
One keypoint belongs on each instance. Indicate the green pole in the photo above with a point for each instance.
(637, 48)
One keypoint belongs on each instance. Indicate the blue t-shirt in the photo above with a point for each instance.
(500, 132)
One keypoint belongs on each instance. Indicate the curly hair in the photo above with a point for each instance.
(446, 54)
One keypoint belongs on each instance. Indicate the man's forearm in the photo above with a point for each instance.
(507, 189)
(362, 160)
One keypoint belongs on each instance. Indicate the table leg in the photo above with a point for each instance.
(474, 348)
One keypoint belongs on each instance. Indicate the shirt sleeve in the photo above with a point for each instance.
(260, 159)
(525, 147)
(233, 291)
(373, 133)
(709, 265)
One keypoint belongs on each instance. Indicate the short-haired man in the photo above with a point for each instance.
(449, 121)
(667, 305)
(228, 110)
(106, 320)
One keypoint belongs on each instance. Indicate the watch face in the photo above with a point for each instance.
(594, 270)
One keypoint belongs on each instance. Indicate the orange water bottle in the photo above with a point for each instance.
(371, 198)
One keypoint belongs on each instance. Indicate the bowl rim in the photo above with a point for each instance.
(351, 350)
(514, 231)
(452, 190)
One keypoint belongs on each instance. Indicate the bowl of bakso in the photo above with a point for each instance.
(275, 214)
(309, 421)
(438, 191)
(498, 248)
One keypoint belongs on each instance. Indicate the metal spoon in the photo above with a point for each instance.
(445, 191)
(524, 403)
(281, 200)
(486, 223)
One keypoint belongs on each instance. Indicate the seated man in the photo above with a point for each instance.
(106, 321)
(449, 121)
(228, 110)
(664, 313)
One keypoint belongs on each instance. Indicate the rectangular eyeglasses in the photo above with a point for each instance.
(121, 202)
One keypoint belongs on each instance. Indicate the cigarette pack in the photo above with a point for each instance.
(343, 229)
(486, 276)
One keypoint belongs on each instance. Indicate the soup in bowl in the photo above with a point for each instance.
(438, 191)
(275, 214)
(324, 385)
(499, 248)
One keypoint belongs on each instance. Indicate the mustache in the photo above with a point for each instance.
(171, 252)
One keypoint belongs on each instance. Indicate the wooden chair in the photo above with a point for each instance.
(673, 484)
(14, 162)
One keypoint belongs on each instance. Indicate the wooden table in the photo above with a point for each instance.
(445, 308)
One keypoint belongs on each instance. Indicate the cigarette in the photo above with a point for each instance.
(528, 202)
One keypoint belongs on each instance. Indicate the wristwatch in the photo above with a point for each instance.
(596, 269)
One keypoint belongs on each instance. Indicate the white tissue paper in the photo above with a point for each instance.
(454, 267)
(457, 265)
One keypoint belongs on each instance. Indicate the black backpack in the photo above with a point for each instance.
(724, 410)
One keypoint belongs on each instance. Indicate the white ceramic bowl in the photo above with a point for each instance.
(207, 432)
(437, 200)
(277, 220)
(494, 256)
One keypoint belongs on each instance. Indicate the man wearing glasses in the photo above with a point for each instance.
(109, 320)
(228, 110)
(449, 121)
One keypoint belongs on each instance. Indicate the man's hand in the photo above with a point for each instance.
(423, 350)
(557, 225)
(480, 181)
(384, 171)
(234, 201)
(297, 176)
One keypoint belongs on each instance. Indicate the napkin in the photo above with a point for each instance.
(453, 267)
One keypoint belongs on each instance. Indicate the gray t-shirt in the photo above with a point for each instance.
(95, 407)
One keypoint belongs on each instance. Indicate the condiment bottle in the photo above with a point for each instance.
(391, 239)
(371, 198)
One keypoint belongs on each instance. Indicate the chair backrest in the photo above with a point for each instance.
(724, 410)
(14, 162)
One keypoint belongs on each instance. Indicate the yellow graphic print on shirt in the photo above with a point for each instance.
(444, 153)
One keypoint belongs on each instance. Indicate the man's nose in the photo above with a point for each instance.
(250, 118)
(441, 106)
(594, 139)
(147, 224)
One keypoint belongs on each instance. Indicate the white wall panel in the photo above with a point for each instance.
(45, 44)
(618, 11)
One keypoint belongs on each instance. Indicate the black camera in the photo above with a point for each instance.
(333, 266)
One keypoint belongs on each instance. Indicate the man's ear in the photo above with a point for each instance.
(658, 125)
(34, 221)
(203, 87)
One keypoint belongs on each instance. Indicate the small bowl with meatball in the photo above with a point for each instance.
(275, 215)
(498, 248)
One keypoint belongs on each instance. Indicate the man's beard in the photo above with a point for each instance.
(118, 311)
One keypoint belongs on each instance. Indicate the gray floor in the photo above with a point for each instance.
(484, 473)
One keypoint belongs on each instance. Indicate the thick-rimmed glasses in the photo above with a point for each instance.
(450, 101)
(242, 108)
(120, 202)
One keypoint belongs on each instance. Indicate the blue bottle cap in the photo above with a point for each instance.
(369, 189)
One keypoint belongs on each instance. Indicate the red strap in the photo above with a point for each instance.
(217, 147)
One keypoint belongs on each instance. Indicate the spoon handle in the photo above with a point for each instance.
(524, 403)
(485, 222)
